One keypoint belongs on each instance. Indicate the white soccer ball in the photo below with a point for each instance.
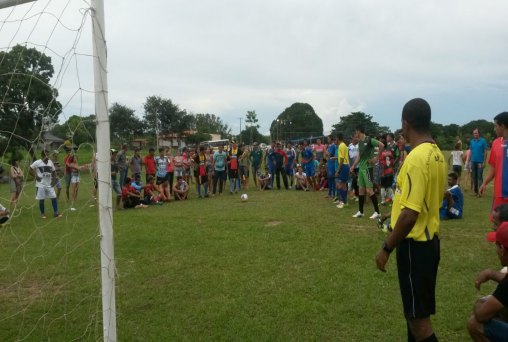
(244, 198)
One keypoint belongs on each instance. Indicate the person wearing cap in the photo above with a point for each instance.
(488, 321)
(415, 222)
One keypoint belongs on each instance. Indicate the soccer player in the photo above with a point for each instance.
(485, 324)
(308, 165)
(415, 222)
(453, 201)
(342, 174)
(365, 161)
(45, 176)
(331, 167)
(255, 160)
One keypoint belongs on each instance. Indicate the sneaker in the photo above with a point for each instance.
(375, 216)
(73, 209)
(380, 223)
(43, 216)
(356, 199)
(340, 205)
(358, 215)
(58, 215)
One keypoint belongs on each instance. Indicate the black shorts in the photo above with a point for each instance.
(457, 169)
(386, 182)
(417, 264)
(161, 180)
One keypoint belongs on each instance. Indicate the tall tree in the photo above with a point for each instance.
(347, 125)
(252, 134)
(28, 102)
(82, 129)
(297, 121)
(212, 124)
(162, 115)
(251, 119)
(124, 124)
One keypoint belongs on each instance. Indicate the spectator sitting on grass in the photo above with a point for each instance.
(488, 321)
(453, 201)
(131, 198)
(264, 180)
(4, 214)
(301, 179)
(149, 192)
(181, 189)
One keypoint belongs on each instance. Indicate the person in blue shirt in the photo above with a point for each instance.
(478, 147)
(331, 166)
(453, 201)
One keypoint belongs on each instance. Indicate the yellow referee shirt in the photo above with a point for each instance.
(420, 186)
(343, 153)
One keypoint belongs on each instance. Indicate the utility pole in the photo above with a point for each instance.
(240, 135)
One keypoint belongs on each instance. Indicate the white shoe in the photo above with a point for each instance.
(358, 215)
(375, 216)
(340, 205)
(73, 209)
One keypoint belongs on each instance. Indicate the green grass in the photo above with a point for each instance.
(286, 265)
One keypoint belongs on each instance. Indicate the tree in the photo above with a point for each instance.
(347, 125)
(252, 134)
(162, 115)
(29, 103)
(82, 129)
(212, 124)
(124, 124)
(251, 120)
(297, 121)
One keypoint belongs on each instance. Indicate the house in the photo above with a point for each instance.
(173, 140)
(51, 142)
(139, 143)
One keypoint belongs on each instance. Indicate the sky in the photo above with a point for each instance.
(227, 57)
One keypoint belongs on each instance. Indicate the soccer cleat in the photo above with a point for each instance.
(340, 205)
(375, 216)
(358, 215)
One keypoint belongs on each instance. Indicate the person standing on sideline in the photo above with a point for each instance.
(16, 181)
(331, 167)
(162, 180)
(498, 162)
(121, 161)
(149, 162)
(280, 161)
(364, 161)
(353, 177)
(136, 163)
(67, 172)
(219, 169)
(255, 161)
(415, 212)
(478, 147)
(45, 176)
(342, 173)
(457, 158)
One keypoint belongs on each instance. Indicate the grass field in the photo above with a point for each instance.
(285, 265)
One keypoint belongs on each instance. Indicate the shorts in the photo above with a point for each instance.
(178, 171)
(387, 181)
(43, 193)
(15, 187)
(116, 187)
(232, 173)
(58, 184)
(289, 169)
(74, 179)
(457, 169)
(161, 180)
(495, 330)
(310, 169)
(343, 176)
(365, 178)
(417, 264)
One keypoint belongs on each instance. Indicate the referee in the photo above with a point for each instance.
(415, 211)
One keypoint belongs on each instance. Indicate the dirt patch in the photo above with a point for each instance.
(273, 223)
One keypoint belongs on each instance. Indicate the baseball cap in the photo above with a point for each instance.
(500, 235)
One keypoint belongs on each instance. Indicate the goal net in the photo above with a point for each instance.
(51, 250)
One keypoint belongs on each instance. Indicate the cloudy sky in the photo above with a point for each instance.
(230, 56)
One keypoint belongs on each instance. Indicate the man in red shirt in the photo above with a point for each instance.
(498, 161)
(150, 163)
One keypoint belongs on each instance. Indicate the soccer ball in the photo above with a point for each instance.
(244, 198)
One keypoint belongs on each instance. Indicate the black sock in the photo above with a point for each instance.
(374, 202)
(431, 338)
(410, 337)
(361, 203)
